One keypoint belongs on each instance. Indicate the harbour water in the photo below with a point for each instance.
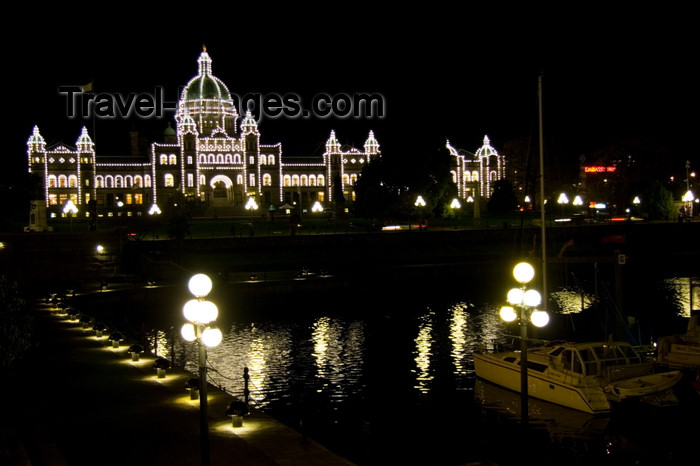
(388, 378)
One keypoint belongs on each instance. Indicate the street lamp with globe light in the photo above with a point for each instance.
(563, 199)
(200, 313)
(420, 204)
(70, 209)
(251, 206)
(524, 300)
(455, 206)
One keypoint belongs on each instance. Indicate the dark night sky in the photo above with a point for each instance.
(448, 75)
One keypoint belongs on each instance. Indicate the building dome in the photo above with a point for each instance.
(205, 85)
(36, 138)
(208, 102)
(486, 150)
(249, 125)
(169, 131)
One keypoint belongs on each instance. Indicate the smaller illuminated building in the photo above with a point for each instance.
(476, 173)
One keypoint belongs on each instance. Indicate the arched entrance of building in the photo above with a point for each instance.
(221, 191)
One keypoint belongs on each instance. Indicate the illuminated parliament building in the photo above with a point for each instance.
(212, 156)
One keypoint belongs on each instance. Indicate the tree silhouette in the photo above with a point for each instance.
(503, 199)
(658, 203)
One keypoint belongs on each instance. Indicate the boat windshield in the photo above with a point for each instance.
(590, 362)
(610, 355)
(631, 355)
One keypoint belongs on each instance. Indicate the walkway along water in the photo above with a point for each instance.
(81, 401)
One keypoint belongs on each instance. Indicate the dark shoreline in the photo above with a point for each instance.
(44, 262)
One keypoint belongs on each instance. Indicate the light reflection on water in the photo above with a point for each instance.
(683, 295)
(572, 300)
(330, 353)
(423, 352)
(362, 377)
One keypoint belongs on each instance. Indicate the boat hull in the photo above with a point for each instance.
(588, 399)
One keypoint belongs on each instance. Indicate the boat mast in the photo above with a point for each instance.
(542, 215)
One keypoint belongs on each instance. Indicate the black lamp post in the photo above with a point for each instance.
(524, 299)
(200, 313)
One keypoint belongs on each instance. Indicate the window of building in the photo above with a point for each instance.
(52, 181)
(138, 198)
(267, 179)
(190, 180)
(53, 199)
(251, 179)
(321, 180)
(73, 181)
(147, 181)
(287, 180)
(169, 180)
(189, 160)
(62, 181)
(251, 160)
(163, 159)
(172, 159)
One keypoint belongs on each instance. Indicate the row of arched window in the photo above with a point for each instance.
(171, 159)
(304, 180)
(168, 159)
(235, 158)
(119, 181)
(138, 181)
(62, 181)
(474, 176)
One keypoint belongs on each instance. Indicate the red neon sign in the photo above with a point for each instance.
(599, 169)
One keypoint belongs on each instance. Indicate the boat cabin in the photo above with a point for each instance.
(610, 360)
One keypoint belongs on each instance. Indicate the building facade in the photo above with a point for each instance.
(476, 173)
(209, 156)
(212, 157)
